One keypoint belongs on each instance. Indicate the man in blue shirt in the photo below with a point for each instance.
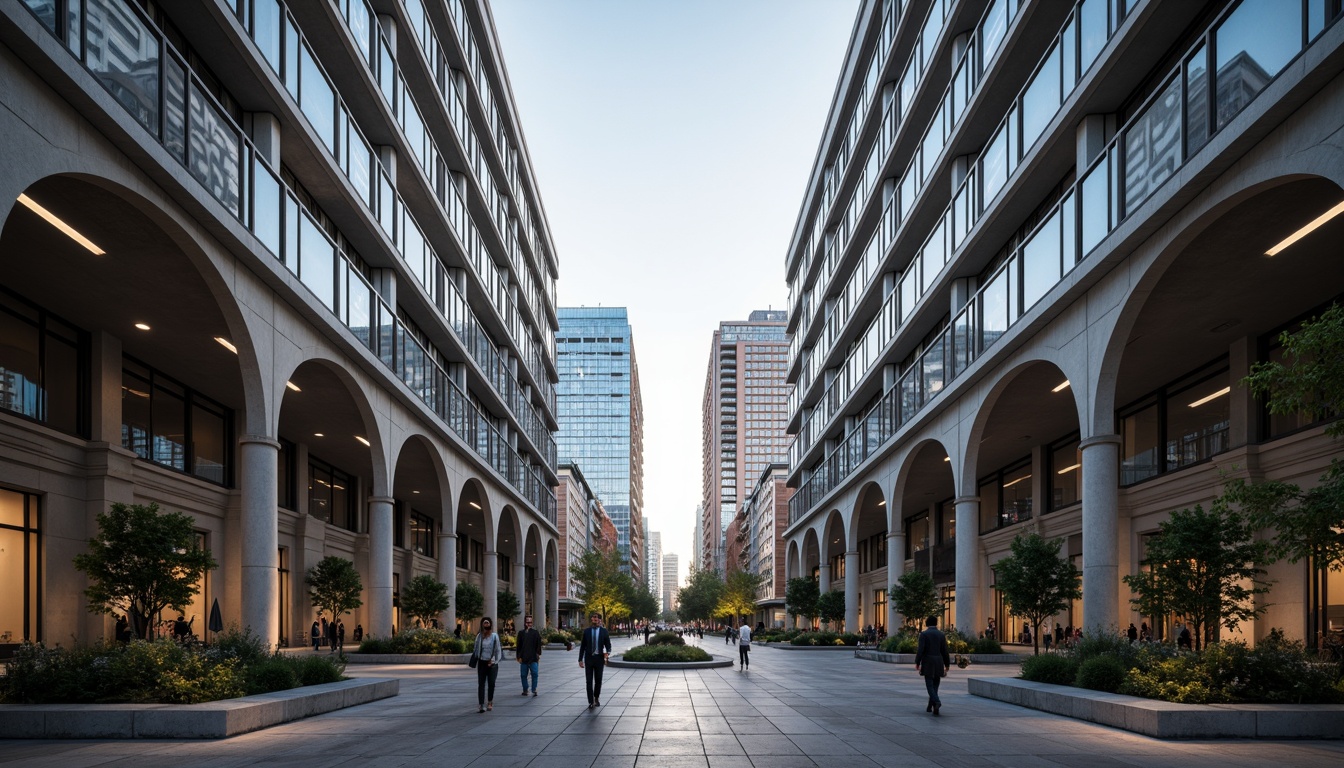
(595, 649)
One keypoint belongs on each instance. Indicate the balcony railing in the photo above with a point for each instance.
(1245, 48)
(119, 45)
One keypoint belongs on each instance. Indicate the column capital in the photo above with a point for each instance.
(966, 500)
(447, 535)
(896, 534)
(491, 553)
(382, 500)
(1099, 440)
(270, 442)
(853, 552)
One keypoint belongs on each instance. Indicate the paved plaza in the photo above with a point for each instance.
(792, 708)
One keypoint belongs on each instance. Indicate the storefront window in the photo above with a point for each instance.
(43, 368)
(330, 495)
(917, 535)
(20, 564)
(1065, 474)
(1177, 426)
(171, 425)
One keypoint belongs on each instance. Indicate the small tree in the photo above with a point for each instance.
(1202, 565)
(699, 599)
(643, 605)
(800, 598)
(915, 597)
(601, 584)
(470, 602)
(142, 561)
(1311, 377)
(1036, 582)
(831, 607)
(424, 598)
(508, 606)
(739, 594)
(334, 586)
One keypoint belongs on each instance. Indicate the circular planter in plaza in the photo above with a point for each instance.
(714, 662)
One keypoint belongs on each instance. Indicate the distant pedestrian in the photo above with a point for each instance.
(331, 636)
(315, 634)
(324, 630)
(359, 633)
(1048, 637)
(646, 633)
(1145, 633)
(595, 649)
(340, 636)
(1183, 640)
(744, 646)
(528, 651)
(489, 651)
(1132, 633)
(932, 662)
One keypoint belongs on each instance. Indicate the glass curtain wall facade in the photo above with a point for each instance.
(601, 417)
(744, 414)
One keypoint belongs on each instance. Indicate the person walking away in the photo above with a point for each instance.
(595, 650)
(315, 634)
(324, 630)
(932, 661)
(728, 636)
(489, 652)
(528, 651)
(646, 633)
(331, 636)
(340, 636)
(744, 646)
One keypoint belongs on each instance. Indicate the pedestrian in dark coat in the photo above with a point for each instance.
(932, 661)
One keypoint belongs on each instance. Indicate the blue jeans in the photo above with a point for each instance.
(524, 668)
(931, 683)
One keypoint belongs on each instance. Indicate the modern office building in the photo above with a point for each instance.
(581, 528)
(743, 418)
(1042, 244)
(671, 581)
(602, 417)
(282, 267)
(763, 520)
(653, 562)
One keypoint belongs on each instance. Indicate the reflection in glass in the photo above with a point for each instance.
(317, 100)
(175, 109)
(993, 29)
(169, 444)
(316, 262)
(267, 27)
(1041, 262)
(1092, 32)
(124, 53)
(209, 443)
(994, 165)
(1138, 448)
(1041, 99)
(1197, 422)
(1095, 206)
(213, 151)
(1066, 475)
(1253, 44)
(994, 309)
(1152, 146)
(20, 368)
(1196, 101)
(1017, 498)
(266, 207)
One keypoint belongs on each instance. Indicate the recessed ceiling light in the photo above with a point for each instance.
(363, 440)
(882, 503)
(415, 492)
(318, 434)
(1307, 230)
(1214, 396)
(223, 342)
(1068, 469)
(293, 386)
(1018, 480)
(947, 458)
(473, 504)
(1062, 386)
(56, 222)
(142, 326)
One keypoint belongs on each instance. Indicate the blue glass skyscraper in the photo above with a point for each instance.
(601, 416)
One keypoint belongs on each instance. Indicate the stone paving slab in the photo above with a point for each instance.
(875, 710)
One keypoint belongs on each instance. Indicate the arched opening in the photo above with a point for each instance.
(868, 537)
(833, 542)
(115, 342)
(512, 569)
(553, 566)
(419, 485)
(811, 562)
(928, 520)
(1213, 308)
(475, 537)
(1026, 465)
(534, 600)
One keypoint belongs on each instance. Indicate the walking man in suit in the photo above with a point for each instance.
(932, 661)
(595, 649)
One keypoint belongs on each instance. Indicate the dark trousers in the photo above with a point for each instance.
(592, 678)
(931, 683)
(744, 655)
(485, 673)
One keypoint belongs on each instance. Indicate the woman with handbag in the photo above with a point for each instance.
(486, 657)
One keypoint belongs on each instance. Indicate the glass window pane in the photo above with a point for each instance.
(124, 53)
(1196, 101)
(1197, 422)
(994, 309)
(1066, 475)
(317, 100)
(170, 428)
(994, 166)
(12, 509)
(62, 375)
(989, 505)
(1040, 102)
(45, 10)
(1138, 454)
(267, 26)
(1253, 45)
(266, 207)
(994, 28)
(175, 109)
(1092, 32)
(213, 151)
(1152, 146)
(316, 266)
(12, 597)
(1016, 495)
(1041, 262)
(1095, 206)
(20, 371)
(319, 492)
(208, 445)
(135, 414)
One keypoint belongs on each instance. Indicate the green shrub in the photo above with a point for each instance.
(274, 674)
(1051, 668)
(824, 638)
(666, 638)
(1177, 679)
(850, 638)
(417, 641)
(899, 644)
(1101, 673)
(986, 645)
(1111, 644)
(556, 636)
(665, 653)
(375, 645)
(242, 645)
(317, 670)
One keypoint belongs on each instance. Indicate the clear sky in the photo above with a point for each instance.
(672, 143)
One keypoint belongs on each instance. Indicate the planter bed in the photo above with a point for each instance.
(1165, 719)
(716, 662)
(407, 658)
(909, 658)
(211, 720)
(791, 647)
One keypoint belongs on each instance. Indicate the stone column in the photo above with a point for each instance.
(380, 566)
(553, 603)
(1101, 518)
(448, 577)
(852, 591)
(259, 457)
(540, 605)
(491, 587)
(895, 570)
(968, 564)
(518, 585)
(824, 578)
